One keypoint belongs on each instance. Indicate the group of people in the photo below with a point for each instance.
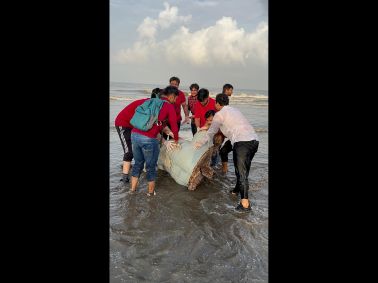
(207, 114)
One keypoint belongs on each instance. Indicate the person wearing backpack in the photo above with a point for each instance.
(124, 128)
(145, 143)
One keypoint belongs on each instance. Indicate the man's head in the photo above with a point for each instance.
(203, 96)
(174, 81)
(209, 115)
(221, 100)
(228, 89)
(194, 89)
(171, 93)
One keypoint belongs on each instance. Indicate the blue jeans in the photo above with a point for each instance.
(147, 150)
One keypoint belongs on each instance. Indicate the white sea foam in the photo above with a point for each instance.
(112, 97)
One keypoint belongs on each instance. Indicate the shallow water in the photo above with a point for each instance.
(189, 236)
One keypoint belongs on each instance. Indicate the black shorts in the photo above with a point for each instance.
(124, 134)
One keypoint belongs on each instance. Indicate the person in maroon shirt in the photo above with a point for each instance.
(146, 145)
(192, 99)
(180, 102)
(123, 126)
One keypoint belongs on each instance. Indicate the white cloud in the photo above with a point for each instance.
(148, 28)
(206, 3)
(219, 45)
(139, 53)
(168, 17)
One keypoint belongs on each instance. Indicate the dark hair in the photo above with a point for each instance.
(227, 86)
(156, 92)
(203, 93)
(209, 113)
(170, 89)
(174, 79)
(222, 99)
(196, 86)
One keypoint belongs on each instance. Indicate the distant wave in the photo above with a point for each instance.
(132, 90)
(248, 102)
(233, 101)
(243, 95)
(123, 98)
(260, 104)
(261, 130)
(242, 98)
(255, 96)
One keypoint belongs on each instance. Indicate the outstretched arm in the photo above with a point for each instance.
(214, 128)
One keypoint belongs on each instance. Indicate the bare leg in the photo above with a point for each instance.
(134, 183)
(244, 202)
(224, 167)
(126, 167)
(151, 188)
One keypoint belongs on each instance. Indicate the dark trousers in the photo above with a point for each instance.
(194, 127)
(225, 150)
(243, 154)
(125, 137)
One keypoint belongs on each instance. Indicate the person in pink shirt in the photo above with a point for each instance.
(204, 103)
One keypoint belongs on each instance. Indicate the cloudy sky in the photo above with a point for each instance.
(208, 42)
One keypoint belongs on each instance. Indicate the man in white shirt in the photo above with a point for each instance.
(244, 140)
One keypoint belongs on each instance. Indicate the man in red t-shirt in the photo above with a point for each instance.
(180, 102)
(123, 126)
(204, 103)
(146, 145)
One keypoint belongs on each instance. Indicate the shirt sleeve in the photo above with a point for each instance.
(214, 128)
(183, 98)
(173, 121)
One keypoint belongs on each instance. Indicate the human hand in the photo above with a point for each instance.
(204, 128)
(171, 135)
(168, 144)
(186, 121)
(197, 145)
